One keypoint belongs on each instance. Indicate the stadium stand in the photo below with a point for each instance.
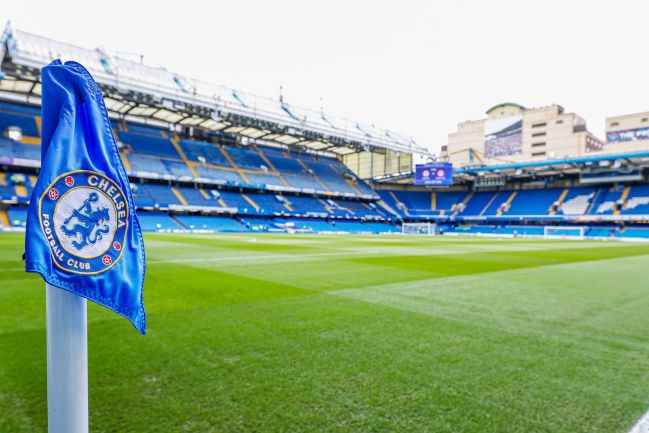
(262, 188)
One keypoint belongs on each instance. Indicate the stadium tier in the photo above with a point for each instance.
(571, 201)
(215, 183)
(206, 184)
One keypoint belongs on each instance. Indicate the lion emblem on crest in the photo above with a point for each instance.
(88, 223)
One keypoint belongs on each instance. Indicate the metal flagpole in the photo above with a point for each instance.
(67, 362)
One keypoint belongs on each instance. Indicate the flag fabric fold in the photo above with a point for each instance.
(82, 231)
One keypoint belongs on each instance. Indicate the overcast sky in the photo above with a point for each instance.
(412, 66)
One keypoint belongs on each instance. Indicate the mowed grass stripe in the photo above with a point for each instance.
(549, 300)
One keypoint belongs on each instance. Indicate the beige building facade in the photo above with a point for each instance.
(513, 133)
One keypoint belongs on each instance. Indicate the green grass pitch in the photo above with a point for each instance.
(279, 333)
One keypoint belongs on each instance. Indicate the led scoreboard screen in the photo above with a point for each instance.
(434, 173)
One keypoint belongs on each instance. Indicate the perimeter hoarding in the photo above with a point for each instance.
(628, 135)
(434, 174)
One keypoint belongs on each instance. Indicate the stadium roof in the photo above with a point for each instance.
(618, 163)
(548, 163)
(135, 90)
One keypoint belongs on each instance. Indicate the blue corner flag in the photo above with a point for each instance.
(82, 232)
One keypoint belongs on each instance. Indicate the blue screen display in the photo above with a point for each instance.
(434, 173)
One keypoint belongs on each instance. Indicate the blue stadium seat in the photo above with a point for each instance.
(264, 179)
(210, 223)
(478, 203)
(17, 216)
(161, 194)
(21, 116)
(268, 202)
(533, 201)
(246, 157)
(217, 174)
(155, 221)
(306, 204)
(155, 145)
(211, 153)
(234, 199)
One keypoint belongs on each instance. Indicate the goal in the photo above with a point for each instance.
(564, 232)
(419, 228)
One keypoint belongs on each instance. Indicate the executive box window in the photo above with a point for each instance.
(539, 125)
(538, 154)
(559, 122)
(615, 123)
(539, 144)
(539, 134)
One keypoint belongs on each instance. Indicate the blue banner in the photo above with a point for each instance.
(628, 135)
(82, 232)
(434, 173)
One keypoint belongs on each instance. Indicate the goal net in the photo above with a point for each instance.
(418, 228)
(564, 232)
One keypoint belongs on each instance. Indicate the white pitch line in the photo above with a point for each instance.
(642, 426)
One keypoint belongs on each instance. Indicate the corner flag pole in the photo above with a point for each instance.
(67, 362)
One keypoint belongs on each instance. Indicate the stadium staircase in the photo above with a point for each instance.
(236, 168)
(326, 205)
(222, 202)
(4, 219)
(175, 142)
(206, 196)
(175, 219)
(353, 185)
(39, 124)
(507, 204)
(458, 208)
(313, 173)
(559, 202)
(594, 201)
(624, 198)
(399, 203)
(489, 203)
(127, 164)
(287, 204)
(271, 166)
(388, 208)
(179, 196)
(251, 202)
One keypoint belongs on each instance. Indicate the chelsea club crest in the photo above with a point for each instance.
(84, 217)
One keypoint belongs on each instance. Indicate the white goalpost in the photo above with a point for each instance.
(419, 228)
(564, 232)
